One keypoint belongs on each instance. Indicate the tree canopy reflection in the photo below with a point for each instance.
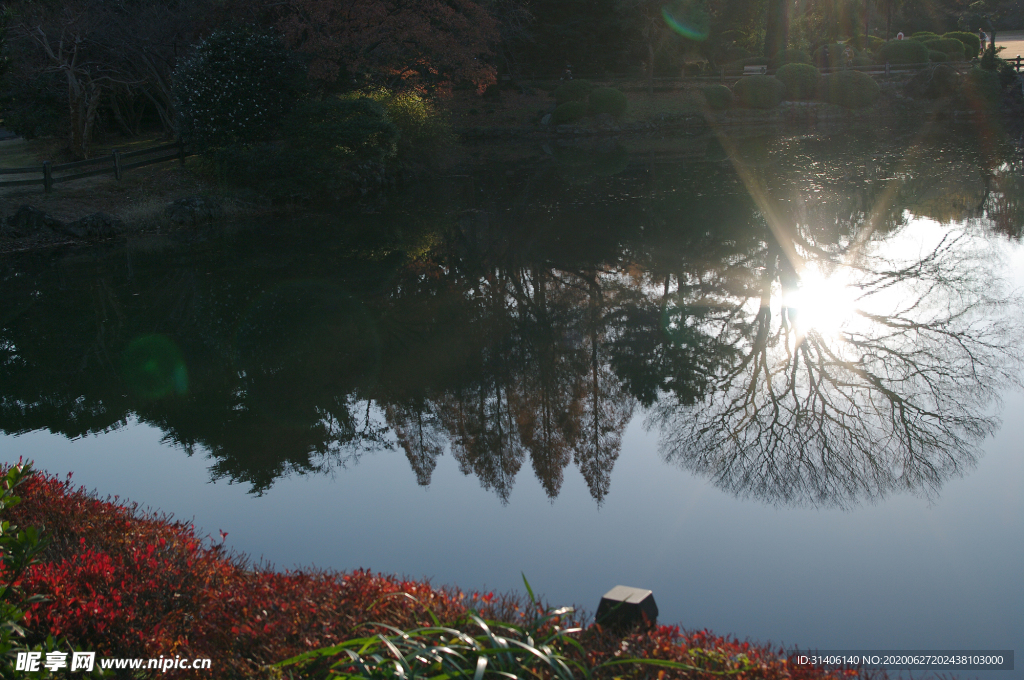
(530, 317)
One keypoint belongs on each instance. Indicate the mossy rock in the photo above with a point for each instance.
(972, 44)
(573, 91)
(719, 97)
(951, 46)
(607, 100)
(801, 81)
(759, 92)
(903, 52)
(569, 112)
(790, 56)
(850, 89)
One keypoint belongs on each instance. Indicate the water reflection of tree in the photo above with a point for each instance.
(896, 402)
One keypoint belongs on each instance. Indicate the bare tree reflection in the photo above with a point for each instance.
(896, 400)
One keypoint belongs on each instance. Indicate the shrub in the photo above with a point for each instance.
(568, 112)
(924, 36)
(235, 88)
(903, 52)
(851, 89)
(573, 91)
(935, 56)
(801, 81)
(759, 92)
(972, 45)
(951, 46)
(790, 56)
(424, 130)
(607, 100)
(719, 97)
(36, 107)
(981, 87)
(342, 129)
(870, 43)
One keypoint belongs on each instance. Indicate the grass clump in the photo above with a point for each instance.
(568, 112)
(573, 91)
(608, 100)
(719, 97)
(904, 52)
(850, 89)
(759, 92)
(801, 81)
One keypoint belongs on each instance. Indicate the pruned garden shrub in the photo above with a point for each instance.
(801, 81)
(981, 88)
(953, 48)
(343, 129)
(924, 36)
(235, 89)
(790, 56)
(424, 130)
(937, 81)
(719, 97)
(568, 112)
(759, 92)
(573, 91)
(972, 44)
(903, 52)
(607, 100)
(851, 89)
(935, 56)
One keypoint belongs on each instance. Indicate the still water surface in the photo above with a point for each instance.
(776, 380)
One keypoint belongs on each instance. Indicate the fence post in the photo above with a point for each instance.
(47, 177)
(1018, 63)
(117, 165)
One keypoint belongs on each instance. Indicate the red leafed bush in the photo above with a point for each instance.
(128, 584)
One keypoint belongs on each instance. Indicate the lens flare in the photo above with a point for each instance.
(154, 367)
(694, 30)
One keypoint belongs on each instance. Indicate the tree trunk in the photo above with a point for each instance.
(777, 33)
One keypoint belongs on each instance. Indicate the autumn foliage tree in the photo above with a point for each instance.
(396, 43)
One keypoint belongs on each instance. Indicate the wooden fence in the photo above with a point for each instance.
(113, 164)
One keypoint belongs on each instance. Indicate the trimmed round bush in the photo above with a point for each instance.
(573, 91)
(719, 97)
(951, 46)
(568, 112)
(607, 100)
(924, 36)
(801, 81)
(972, 45)
(851, 89)
(871, 43)
(759, 92)
(865, 59)
(903, 52)
(982, 87)
(235, 89)
(935, 56)
(790, 56)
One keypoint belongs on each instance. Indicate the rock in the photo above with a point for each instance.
(194, 210)
(96, 225)
(28, 221)
(546, 120)
(934, 82)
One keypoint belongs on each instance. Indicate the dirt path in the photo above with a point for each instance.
(1013, 41)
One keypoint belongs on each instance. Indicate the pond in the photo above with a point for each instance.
(775, 379)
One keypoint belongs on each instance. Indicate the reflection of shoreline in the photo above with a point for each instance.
(501, 336)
